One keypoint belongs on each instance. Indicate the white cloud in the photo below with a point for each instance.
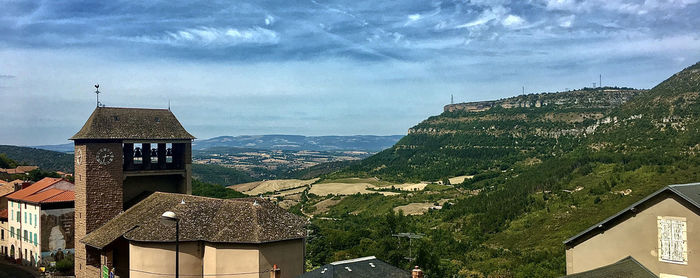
(566, 21)
(513, 21)
(485, 17)
(269, 20)
(213, 37)
(414, 17)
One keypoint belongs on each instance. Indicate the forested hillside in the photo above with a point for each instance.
(523, 129)
(46, 160)
(534, 190)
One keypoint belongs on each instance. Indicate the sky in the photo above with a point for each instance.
(319, 67)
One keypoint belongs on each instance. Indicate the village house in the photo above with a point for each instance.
(41, 220)
(652, 232)
(132, 166)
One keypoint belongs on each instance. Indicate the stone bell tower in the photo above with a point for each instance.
(122, 155)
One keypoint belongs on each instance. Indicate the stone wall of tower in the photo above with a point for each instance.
(98, 196)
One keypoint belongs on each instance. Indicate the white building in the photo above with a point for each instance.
(41, 220)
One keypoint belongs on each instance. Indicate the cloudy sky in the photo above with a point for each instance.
(319, 67)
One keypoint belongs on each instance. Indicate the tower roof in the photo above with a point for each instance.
(132, 124)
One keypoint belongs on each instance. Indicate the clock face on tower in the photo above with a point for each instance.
(78, 157)
(105, 156)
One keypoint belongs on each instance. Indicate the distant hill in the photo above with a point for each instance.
(370, 143)
(495, 135)
(64, 148)
(46, 160)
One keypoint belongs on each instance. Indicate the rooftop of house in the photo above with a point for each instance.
(689, 192)
(3, 214)
(19, 169)
(625, 268)
(47, 190)
(245, 220)
(132, 124)
(368, 267)
(6, 187)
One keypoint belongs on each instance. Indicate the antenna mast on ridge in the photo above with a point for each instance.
(97, 93)
(452, 99)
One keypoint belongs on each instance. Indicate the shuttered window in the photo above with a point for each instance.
(673, 245)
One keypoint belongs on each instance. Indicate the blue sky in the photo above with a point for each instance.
(319, 67)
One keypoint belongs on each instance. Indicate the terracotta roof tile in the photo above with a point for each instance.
(3, 214)
(246, 220)
(132, 123)
(65, 196)
(34, 188)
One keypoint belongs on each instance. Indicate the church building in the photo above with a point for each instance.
(123, 156)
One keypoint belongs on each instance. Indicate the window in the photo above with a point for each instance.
(30, 218)
(35, 241)
(35, 222)
(2, 234)
(672, 243)
(18, 217)
(25, 235)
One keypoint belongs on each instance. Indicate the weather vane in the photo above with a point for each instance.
(97, 93)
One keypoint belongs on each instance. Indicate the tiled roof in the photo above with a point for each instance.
(367, 267)
(18, 169)
(3, 214)
(132, 123)
(625, 268)
(6, 188)
(42, 192)
(65, 196)
(246, 220)
(34, 188)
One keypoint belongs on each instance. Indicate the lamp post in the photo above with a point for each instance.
(168, 218)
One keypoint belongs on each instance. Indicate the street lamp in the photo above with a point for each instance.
(168, 218)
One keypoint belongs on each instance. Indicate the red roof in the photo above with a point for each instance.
(41, 192)
(65, 196)
(3, 214)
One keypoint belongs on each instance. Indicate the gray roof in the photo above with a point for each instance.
(689, 192)
(366, 267)
(132, 123)
(245, 220)
(625, 268)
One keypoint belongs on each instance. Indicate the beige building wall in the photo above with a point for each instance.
(287, 255)
(148, 260)
(638, 237)
(232, 258)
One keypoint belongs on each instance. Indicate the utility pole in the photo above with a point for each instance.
(410, 237)
(523, 90)
(452, 99)
(600, 80)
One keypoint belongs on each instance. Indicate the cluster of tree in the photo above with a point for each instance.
(200, 188)
(218, 174)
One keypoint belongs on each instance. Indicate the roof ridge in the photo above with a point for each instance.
(354, 260)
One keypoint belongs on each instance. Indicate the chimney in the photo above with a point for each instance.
(417, 273)
(275, 272)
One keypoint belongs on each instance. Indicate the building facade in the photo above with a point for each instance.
(122, 155)
(654, 231)
(40, 221)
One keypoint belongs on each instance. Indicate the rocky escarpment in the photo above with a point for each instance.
(606, 97)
